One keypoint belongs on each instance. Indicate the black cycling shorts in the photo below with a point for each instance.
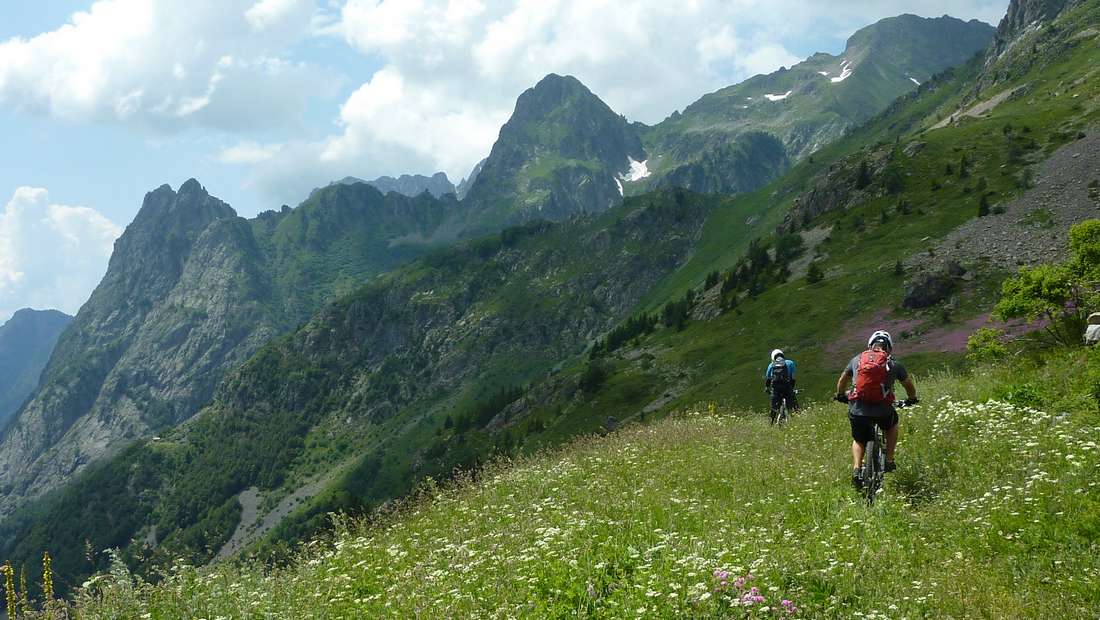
(863, 427)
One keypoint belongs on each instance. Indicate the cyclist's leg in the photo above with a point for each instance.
(792, 398)
(891, 436)
(777, 399)
(863, 430)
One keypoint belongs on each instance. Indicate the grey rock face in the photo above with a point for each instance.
(148, 345)
(26, 341)
(464, 185)
(1023, 13)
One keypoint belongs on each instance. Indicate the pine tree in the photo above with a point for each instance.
(864, 177)
(814, 274)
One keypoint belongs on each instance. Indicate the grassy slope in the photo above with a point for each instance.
(994, 512)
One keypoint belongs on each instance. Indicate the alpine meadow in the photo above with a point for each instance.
(540, 392)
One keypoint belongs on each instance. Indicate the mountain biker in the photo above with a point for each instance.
(871, 401)
(779, 382)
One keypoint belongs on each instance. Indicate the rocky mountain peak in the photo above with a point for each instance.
(907, 35)
(551, 92)
(190, 209)
(562, 149)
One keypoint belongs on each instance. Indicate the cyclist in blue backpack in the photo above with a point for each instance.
(779, 382)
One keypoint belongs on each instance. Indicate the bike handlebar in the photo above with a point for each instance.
(900, 404)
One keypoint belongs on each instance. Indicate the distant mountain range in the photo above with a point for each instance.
(408, 184)
(26, 341)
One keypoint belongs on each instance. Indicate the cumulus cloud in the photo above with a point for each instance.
(452, 69)
(51, 255)
(248, 152)
(168, 65)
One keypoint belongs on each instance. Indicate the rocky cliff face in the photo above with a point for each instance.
(130, 360)
(26, 341)
(1023, 14)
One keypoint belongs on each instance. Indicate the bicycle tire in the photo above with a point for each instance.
(870, 486)
(781, 417)
(874, 465)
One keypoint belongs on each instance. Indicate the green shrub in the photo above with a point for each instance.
(1024, 395)
(986, 345)
(593, 377)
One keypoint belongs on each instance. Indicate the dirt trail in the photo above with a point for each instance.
(979, 108)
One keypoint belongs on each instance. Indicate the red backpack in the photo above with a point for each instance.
(871, 376)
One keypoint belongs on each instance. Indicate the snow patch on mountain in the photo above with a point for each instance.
(620, 185)
(781, 97)
(845, 71)
(638, 170)
(825, 73)
(914, 80)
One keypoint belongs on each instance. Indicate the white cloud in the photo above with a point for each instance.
(51, 255)
(452, 69)
(268, 14)
(168, 65)
(248, 152)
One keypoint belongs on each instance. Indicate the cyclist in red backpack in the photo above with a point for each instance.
(871, 400)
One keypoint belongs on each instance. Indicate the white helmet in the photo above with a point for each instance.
(881, 336)
(777, 353)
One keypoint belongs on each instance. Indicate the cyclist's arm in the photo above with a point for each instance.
(844, 381)
(910, 387)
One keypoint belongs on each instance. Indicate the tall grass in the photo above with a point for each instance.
(994, 512)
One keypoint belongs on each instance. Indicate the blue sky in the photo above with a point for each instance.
(261, 100)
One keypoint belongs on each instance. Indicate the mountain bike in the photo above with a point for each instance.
(874, 460)
(782, 416)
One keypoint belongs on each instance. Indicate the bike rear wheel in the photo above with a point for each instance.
(874, 465)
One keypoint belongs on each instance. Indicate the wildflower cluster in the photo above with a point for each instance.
(737, 592)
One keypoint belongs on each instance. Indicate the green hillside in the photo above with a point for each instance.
(992, 513)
